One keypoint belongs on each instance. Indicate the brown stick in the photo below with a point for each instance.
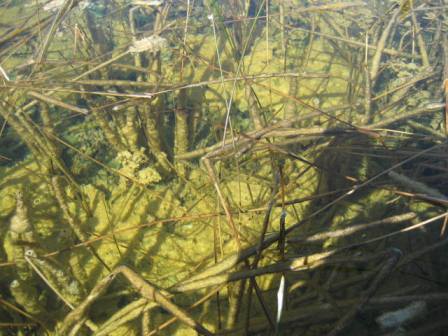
(321, 236)
(16, 32)
(151, 293)
(124, 315)
(57, 102)
(218, 149)
(417, 186)
(445, 80)
(212, 175)
(234, 259)
(257, 258)
(65, 8)
(305, 264)
(174, 319)
(326, 312)
(386, 51)
(145, 289)
(79, 312)
(420, 40)
(376, 60)
(351, 314)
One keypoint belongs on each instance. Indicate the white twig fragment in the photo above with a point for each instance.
(55, 5)
(4, 73)
(280, 299)
(153, 3)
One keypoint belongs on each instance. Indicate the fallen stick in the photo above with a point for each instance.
(385, 271)
(234, 259)
(320, 313)
(303, 263)
(144, 288)
(320, 236)
(417, 186)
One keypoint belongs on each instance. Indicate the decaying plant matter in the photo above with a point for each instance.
(231, 167)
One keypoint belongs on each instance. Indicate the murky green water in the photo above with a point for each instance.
(223, 167)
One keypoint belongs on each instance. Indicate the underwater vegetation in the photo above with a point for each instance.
(232, 167)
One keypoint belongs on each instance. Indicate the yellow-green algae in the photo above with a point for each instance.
(138, 218)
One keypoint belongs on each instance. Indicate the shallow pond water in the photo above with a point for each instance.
(233, 167)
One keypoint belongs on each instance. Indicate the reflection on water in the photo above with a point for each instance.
(223, 167)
